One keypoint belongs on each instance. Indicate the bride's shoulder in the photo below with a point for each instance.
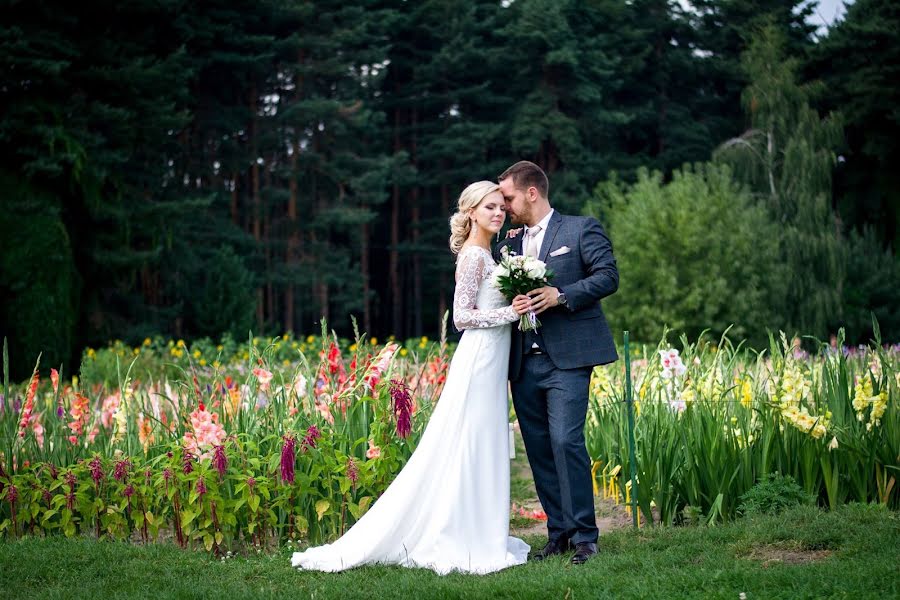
(472, 250)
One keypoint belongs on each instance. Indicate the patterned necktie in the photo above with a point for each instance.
(531, 247)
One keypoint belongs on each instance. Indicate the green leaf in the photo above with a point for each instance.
(322, 507)
(187, 516)
(208, 541)
(253, 503)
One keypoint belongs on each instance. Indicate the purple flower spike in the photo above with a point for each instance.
(287, 459)
(312, 434)
(220, 461)
(402, 400)
(96, 468)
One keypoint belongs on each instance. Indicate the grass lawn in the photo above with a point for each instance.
(804, 553)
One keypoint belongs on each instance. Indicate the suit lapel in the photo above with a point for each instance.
(552, 228)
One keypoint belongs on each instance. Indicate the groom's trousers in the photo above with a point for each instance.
(551, 405)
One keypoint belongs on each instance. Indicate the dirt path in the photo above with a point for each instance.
(522, 493)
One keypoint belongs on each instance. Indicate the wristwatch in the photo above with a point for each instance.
(561, 298)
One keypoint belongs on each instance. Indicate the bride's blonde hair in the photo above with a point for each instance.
(461, 222)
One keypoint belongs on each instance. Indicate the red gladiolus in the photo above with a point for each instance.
(402, 401)
(287, 459)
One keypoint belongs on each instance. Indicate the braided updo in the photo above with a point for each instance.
(461, 222)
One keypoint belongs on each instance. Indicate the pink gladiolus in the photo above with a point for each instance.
(264, 377)
(54, 379)
(377, 368)
(108, 410)
(287, 459)
(373, 451)
(206, 433)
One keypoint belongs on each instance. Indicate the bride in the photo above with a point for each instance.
(448, 508)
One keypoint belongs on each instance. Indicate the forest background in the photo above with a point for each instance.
(195, 169)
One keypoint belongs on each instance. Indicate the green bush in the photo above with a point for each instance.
(773, 494)
(694, 254)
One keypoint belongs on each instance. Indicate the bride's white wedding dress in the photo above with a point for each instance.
(448, 508)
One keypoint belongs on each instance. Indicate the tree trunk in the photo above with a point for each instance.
(394, 256)
(415, 224)
(293, 242)
(255, 198)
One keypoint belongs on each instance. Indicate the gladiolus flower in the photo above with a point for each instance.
(264, 377)
(373, 451)
(54, 379)
(29, 404)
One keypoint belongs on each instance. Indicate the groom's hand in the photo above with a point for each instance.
(544, 298)
(521, 304)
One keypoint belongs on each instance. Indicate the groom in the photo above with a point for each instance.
(550, 369)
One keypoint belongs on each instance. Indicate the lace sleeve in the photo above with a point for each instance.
(470, 271)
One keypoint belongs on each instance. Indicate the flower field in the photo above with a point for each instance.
(713, 420)
(260, 442)
(270, 441)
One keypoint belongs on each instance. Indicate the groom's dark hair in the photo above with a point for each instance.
(526, 174)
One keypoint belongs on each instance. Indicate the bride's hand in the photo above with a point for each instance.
(521, 304)
(513, 233)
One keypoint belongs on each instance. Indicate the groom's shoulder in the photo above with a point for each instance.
(580, 221)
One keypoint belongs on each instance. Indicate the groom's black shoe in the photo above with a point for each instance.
(557, 546)
(583, 552)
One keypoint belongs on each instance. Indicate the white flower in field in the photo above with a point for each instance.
(833, 444)
(671, 363)
(300, 386)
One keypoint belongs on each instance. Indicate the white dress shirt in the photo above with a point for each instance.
(539, 239)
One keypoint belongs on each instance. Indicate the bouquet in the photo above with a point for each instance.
(517, 275)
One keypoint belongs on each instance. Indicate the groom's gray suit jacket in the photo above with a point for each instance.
(576, 335)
